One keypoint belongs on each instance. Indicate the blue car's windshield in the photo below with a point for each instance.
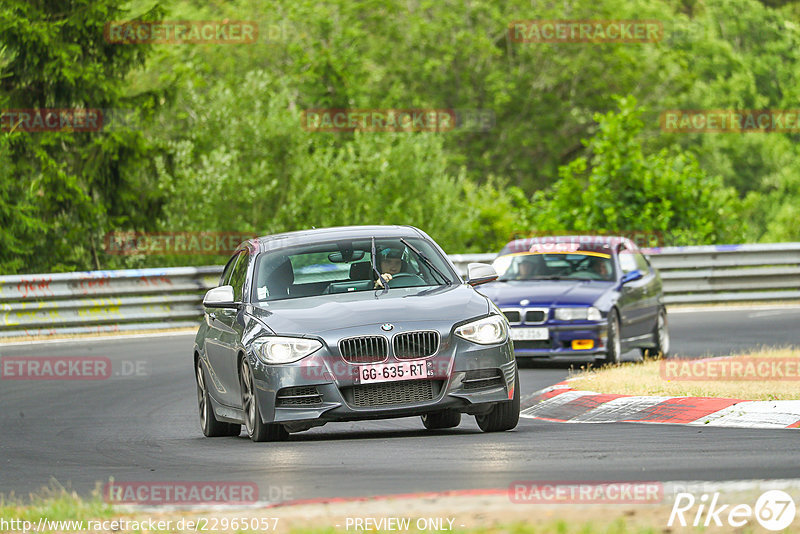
(555, 266)
(347, 266)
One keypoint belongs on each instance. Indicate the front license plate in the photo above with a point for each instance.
(388, 372)
(529, 334)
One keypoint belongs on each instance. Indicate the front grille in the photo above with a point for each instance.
(535, 316)
(483, 378)
(416, 344)
(365, 349)
(298, 396)
(392, 393)
(512, 316)
(539, 344)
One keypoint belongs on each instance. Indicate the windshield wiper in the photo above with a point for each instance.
(445, 281)
(381, 281)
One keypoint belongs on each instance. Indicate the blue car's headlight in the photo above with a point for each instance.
(486, 331)
(578, 314)
(276, 349)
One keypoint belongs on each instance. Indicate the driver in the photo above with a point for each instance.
(390, 263)
(528, 267)
(600, 267)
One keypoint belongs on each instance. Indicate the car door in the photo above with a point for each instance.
(223, 338)
(632, 296)
(652, 292)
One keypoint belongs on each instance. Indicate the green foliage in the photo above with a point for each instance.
(274, 176)
(219, 146)
(71, 186)
(620, 189)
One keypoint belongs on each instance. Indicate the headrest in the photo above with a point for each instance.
(284, 272)
(361, 270)
(279, 280)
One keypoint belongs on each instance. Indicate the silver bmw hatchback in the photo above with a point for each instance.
(347, 324)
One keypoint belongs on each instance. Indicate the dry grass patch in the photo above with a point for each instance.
(681, 378)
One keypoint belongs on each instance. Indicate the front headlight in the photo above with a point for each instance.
(275, 349)
(578, 314)
(486, 331)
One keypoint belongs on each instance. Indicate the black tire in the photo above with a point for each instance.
(212, 428)
(661, 338)
(440, 420)
(503, 415)
(614, 347)
(256, 428)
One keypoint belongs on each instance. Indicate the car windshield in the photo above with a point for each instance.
(555, 266)
(347, 266)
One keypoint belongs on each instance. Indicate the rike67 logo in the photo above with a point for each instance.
(774, 510)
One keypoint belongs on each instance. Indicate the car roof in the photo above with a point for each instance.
(316, 235)
(589, 243)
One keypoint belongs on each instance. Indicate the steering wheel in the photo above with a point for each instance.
(586, 274)
(405, 278)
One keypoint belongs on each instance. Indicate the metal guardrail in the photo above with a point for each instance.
(103, 301)
(113, 301)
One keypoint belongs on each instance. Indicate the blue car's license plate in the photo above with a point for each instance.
(529, 334)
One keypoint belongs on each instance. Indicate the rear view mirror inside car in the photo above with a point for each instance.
(346, 256)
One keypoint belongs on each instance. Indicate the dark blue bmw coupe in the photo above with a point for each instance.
(580, 298)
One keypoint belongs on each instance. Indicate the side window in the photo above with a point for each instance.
(238, 277)
(627, 261)
(641, 263)
(226, 272)
(411, 261)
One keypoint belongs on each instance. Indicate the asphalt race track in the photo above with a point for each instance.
(144, 427)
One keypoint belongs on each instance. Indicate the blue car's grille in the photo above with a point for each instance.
(535, 316)
(365, 349)
(416, 344)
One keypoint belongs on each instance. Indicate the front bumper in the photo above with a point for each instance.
(559, 344)
(333, 395)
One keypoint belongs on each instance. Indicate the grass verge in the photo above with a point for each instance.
(677, 377)
(470, 514)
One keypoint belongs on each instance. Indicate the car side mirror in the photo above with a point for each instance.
(480, 273)
(219, 297)
(631, 276)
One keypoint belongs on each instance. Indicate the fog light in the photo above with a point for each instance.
(582, 344)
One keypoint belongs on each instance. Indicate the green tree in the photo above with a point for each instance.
(245, 164)
(53, 55)
(619, 188)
